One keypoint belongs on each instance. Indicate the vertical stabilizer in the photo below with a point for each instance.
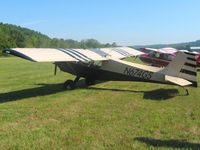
(184, 66)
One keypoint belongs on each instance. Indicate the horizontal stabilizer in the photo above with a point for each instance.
(178, 81)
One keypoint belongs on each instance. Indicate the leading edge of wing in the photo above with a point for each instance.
(54, 55)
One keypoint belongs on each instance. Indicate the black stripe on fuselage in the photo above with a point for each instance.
(190, 65)
(192, 59)
(80, 54)
(188, 72)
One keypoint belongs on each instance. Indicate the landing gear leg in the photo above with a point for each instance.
(76, 79)
(70, 84)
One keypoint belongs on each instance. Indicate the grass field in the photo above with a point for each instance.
(36, 113)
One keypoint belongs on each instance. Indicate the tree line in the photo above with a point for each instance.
(12, 36)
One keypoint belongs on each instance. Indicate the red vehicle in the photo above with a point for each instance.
(161, 57)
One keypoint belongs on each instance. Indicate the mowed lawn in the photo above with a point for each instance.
(36, 113)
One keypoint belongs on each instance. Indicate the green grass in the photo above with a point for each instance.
(36, 113)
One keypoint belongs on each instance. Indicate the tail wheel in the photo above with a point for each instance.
(69, 85)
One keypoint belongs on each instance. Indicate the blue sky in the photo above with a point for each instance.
(127, 22)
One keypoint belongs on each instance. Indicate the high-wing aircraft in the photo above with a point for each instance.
(162, 57)
(106, 64)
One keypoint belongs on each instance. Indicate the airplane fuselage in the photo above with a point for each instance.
(113, 70)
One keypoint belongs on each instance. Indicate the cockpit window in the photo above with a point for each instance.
(162, 56)
(155, 55)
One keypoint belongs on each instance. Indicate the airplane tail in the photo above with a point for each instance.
(182, 70)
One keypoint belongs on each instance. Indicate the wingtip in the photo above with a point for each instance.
(6, 50)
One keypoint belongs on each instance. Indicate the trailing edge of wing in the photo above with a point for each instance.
(54, 55)
(121, 52)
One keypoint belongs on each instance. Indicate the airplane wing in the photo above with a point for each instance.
(55, 55)
(149, 49)
(121, 52)
(167, 50)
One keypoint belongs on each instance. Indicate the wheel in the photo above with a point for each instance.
(69, 85)
(89, 81)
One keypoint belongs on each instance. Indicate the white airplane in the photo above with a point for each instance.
(106, 64)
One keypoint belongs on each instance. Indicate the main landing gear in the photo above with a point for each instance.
(70, 84)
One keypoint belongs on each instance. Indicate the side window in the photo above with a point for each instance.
(157, 55)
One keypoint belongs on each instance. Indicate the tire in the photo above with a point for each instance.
(69, 85)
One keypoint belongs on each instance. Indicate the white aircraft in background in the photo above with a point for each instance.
(106, 64)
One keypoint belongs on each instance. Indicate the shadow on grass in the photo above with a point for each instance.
(48, 89)
(158, 94)
(44, 89)
(183, 144)
(161, 94)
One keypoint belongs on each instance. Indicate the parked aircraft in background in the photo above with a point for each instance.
(162, 57)
(106, 64)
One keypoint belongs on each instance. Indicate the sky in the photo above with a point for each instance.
(126, 22)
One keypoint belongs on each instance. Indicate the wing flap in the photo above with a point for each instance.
(121, 52)
(90, 54)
